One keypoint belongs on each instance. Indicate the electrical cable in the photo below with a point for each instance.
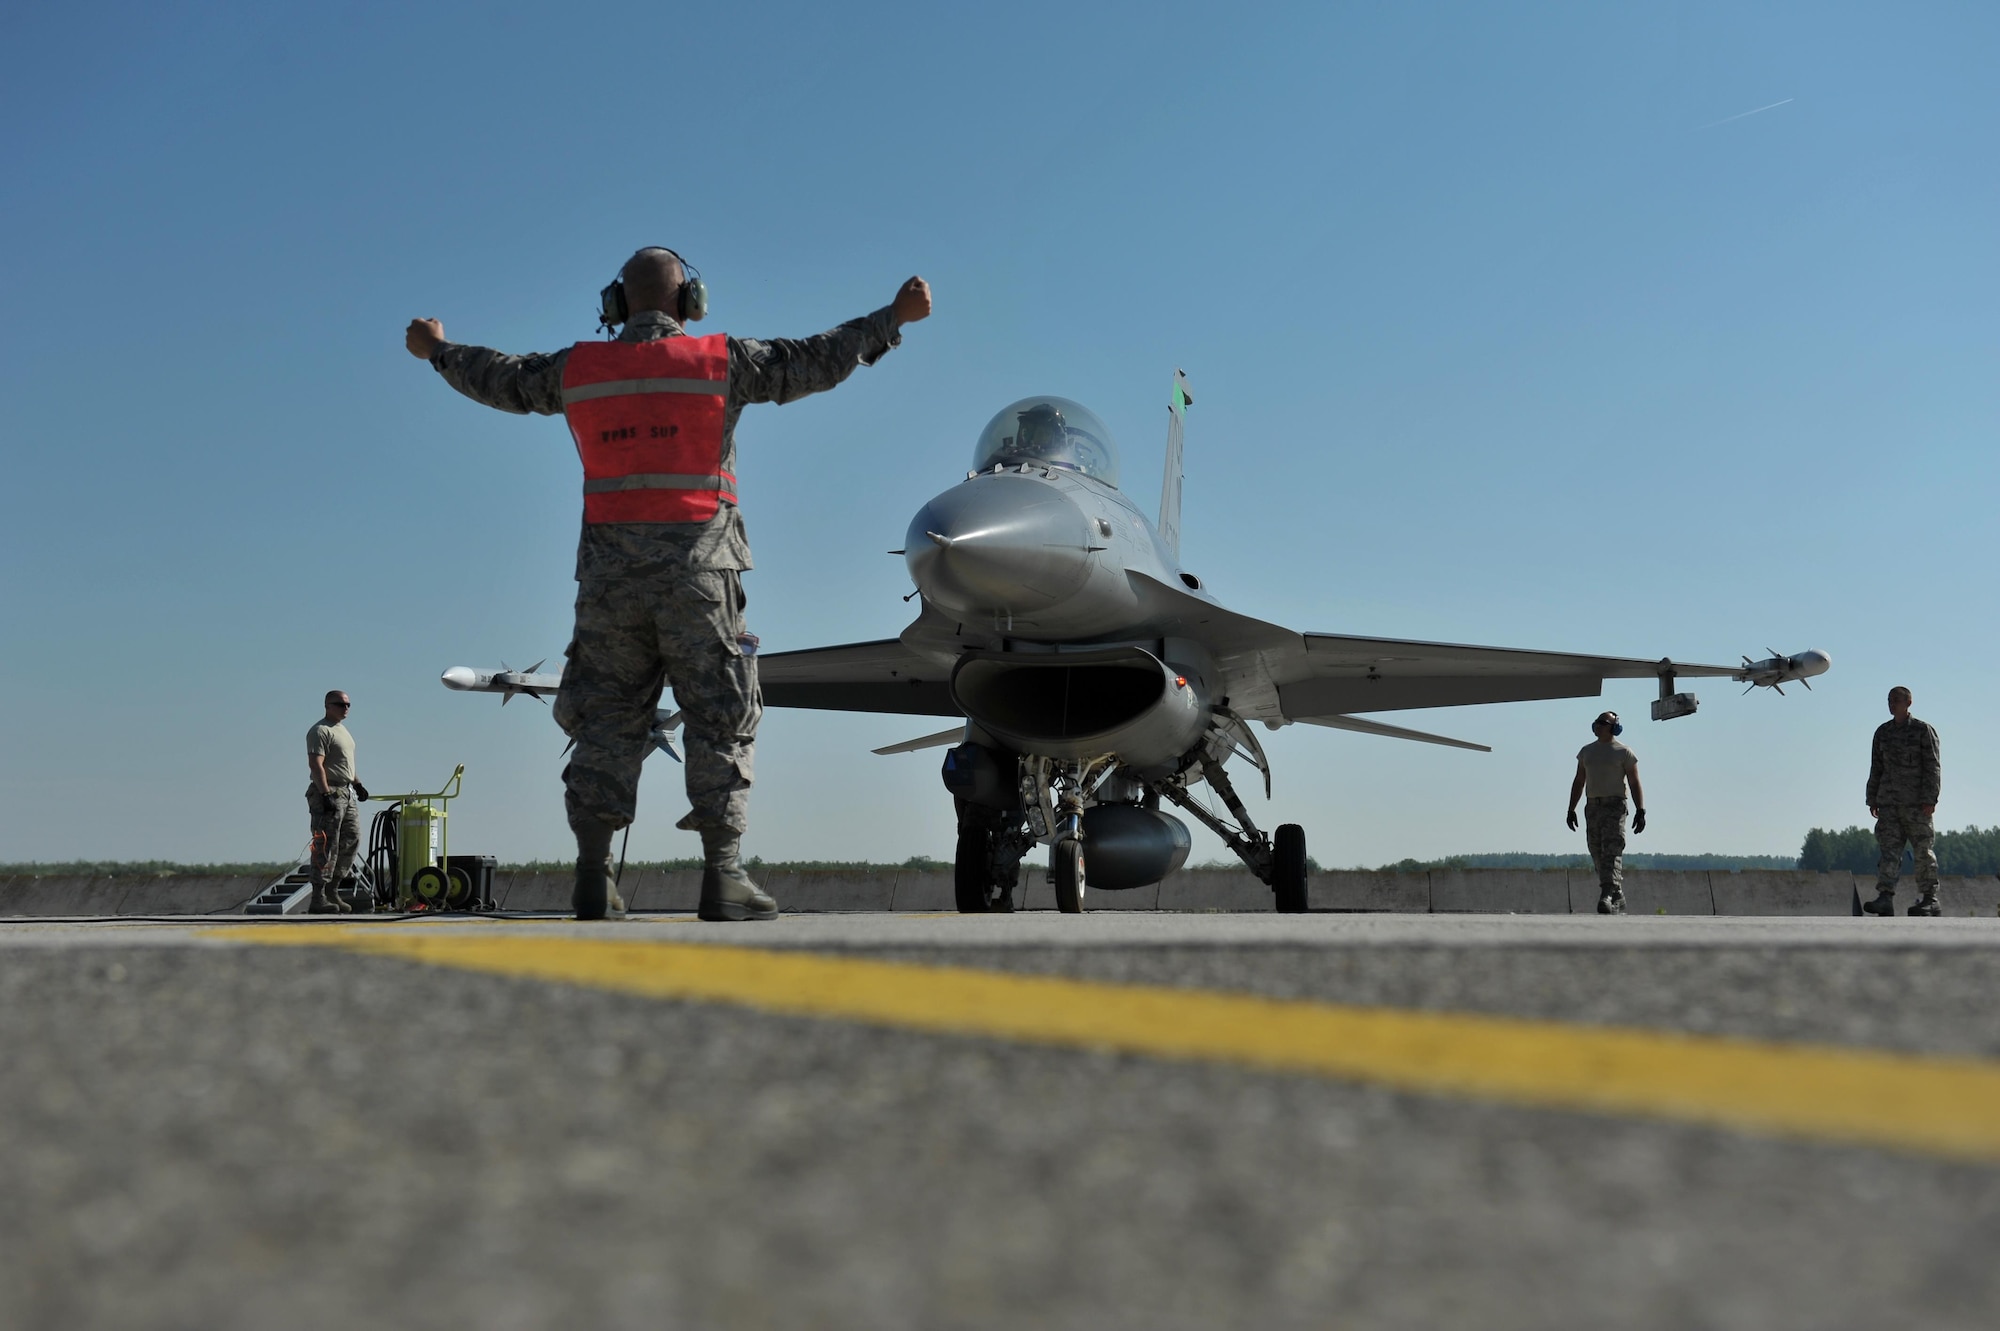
(381, 861)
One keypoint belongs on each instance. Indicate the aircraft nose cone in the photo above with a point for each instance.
(998, 544)
(460, 678)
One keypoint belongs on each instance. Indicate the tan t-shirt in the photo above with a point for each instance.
(1605, 763)
(337, 746)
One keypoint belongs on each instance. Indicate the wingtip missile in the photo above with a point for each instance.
(662, 736)
(505, 682)
(1777, 669)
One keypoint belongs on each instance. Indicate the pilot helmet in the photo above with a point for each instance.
(1040, 432)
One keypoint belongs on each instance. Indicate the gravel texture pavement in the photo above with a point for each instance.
(200, 1133)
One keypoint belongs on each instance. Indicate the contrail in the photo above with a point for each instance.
(1740, 114)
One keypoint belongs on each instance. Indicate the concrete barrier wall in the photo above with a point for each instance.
(1357, 890)
(1647, 892)
(126, 894)
(1782, 892)
(1498, 891)
(1444, 891)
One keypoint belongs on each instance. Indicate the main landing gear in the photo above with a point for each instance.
(997, 826)
(1279, 860)
(987, 864)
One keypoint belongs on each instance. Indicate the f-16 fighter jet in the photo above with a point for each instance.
(1095, 680)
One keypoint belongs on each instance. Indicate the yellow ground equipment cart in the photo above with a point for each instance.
(410, 859)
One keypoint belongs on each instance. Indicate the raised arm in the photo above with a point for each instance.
(786, 369)
(523, 385)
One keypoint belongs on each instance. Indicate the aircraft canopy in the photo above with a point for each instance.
(1052, 431)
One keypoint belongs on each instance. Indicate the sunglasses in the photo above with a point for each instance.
(343, 704)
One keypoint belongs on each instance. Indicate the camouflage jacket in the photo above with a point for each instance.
(1904, 769)
(776, 371)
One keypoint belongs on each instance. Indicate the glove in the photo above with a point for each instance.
(1572, 820)
(1638, 822)
(361, 793)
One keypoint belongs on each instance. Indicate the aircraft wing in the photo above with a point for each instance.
(1278, 674)
(880, 676)
(1343, 674)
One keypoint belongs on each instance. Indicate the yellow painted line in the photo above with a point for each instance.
(1935, 1105)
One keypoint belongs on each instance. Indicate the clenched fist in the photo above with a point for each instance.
(425, 336)
(913, 302)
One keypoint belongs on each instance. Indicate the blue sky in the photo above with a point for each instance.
(1500, 330)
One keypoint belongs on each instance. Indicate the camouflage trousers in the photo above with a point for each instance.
(336, 835)
(1900, 825)
(1604, 833)
(633, 637)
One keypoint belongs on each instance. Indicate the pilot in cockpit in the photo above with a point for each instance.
(1048, 432)
(1040, 435)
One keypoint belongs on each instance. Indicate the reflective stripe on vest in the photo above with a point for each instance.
(722, 481)
(647, 418)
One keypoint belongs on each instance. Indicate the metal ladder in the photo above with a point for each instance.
(289, 893)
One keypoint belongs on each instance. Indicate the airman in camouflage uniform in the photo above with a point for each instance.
(330, 804)
(662, 602)
(1604, 768)
(1903, 780)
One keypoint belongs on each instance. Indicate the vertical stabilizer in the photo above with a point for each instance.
(1170, 487)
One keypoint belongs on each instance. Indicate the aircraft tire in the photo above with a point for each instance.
(970, 869)
(1066, 858)
(1288, 869)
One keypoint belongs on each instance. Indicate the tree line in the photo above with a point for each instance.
(1643, 860)
(1973, 850)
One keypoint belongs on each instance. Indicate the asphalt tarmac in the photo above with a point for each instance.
(1110, 1121)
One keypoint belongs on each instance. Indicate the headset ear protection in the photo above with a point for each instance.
(690, 303)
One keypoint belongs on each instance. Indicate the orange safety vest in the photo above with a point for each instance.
(647, 420)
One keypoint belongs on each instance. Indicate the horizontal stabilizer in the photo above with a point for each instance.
(1392, 732)
(952, 736)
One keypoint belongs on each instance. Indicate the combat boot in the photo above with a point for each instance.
(726, 890)
(1611, 901)
(323, 902)
(591, 897)
(1884, 902)
(1927, 904)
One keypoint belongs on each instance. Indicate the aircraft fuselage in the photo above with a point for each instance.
(1038, 554)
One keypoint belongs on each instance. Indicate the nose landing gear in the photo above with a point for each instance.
(1066, 868)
